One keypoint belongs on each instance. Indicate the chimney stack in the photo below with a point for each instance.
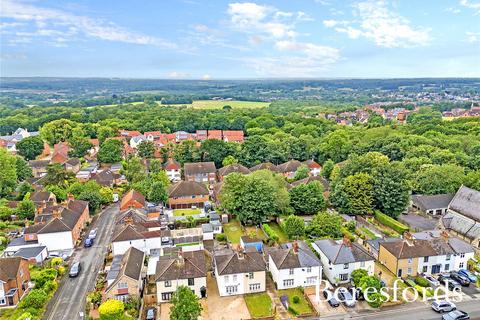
(40, 210)
(445, 234)
(56, 213)
(346, 241)
(180, 259)
(240, 253)
(70, 197)
(295, 246)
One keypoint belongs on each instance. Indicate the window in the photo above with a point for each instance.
(461, 265)
(191, 281)
(345, 266)
(425, 259)
(168, 283)
(311, 280)
(343, 277)
(122, 285)
(362, 264)
(448, 257)
(227, 279)
(309, 269)
(231, 289)
(234, 278)
(462, 255)
(410, 260)
(409, 270)
(167, 295)
(254, 286)
(122, 297)
(290, 272)
(288, 282)
(447, 267)
(2, 301)
(425, 269)
(250, 275)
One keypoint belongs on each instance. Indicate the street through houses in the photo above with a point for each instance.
(69, 299)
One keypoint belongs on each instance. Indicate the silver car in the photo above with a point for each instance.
(443, 306)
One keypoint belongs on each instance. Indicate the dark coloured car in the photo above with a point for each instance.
(88, 243)
(468, 274)
(330, 298)
(464, 281)
(75, 270)
(451, 283)
(456, 315)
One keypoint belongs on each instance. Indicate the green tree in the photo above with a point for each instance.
(23, 189)
(229, 160)
(436, 179)
(336, 146)
(354, 195)
(134, 169)
(472, 180)
(110, 151)
(216, 151)
(30, 147)
(302, 172)
(111, 310)
(357, 275)
(57, 175)
(59, 192)
(325, 225)
(23, 169)
(8, 173)
(158, 193)
(294, 227)
(327, 169)
(391, 189)
(185, 305)
(26, 209)
(187, 151)
(146, 149)
(57, 131)
(80, 145)
(307, 198)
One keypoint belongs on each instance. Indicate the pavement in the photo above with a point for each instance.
(69, 299)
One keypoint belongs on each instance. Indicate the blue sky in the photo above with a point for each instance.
(219, 39)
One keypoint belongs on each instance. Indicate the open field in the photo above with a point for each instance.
(219, 104)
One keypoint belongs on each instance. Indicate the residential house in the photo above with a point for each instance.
(201, 135)
(314, 167)
(136, 140)
(215, 134)
(60, 153)
(289, 168)
(265, 166)
(152, 135)
(10, 142)
(341, 257)
(187, 194)
(310, 179)
(293, 265)
(72, 165)
(200, 172)
(127, 134)
(43, 197)
(373, 245)
(233, 136)
(184, 269)
(463, 216)
(125, 277)
(239, 272)
(432, 204)
(107, 178)
(34, 255)
(173, 170)
(14, 279)
(236, 167)
(39, 167)
(132, 199)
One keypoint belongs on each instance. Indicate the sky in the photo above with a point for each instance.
(216, 39)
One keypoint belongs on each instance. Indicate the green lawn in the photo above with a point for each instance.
(259, 305)
(282, 236)
(369, 233)
(186, 212)
(216, 104)
(302, 307)
(253, 230)
(233, 230)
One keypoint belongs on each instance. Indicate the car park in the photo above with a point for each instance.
(464, 281)
(434, 282)
(75, 270)
(330, 298)
(346, 297)
(443, 306)
(88, 243)
(456, 315)
(469, 275)
(92, 234)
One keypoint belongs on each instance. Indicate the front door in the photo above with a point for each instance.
(399, 273)
(436, 268)
(203, 292)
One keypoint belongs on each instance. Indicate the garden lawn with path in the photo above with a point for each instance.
(282, 236)
(186, 212)
(300, 308)
(259, 305)
(233, 231)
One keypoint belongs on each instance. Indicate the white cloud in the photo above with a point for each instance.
(453, 10)
(70, 24)
(475, 5)
(178, 75)
(473, 37)
(385, 27)
(206, 77)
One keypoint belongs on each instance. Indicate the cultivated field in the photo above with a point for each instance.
(219, 104)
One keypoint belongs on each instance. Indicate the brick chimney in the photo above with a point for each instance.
(295, 246)
(240, 253)
(56, 213)
(444, 234)
(346, 241)
(70, 197)
(180, 259)
(40, 209)
(128, 220)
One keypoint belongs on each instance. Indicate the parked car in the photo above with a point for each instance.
(346, 297)
(92, 234)
(456, 315)
(434, 282)
(452, 284)
(14, 233)
(330, 298)
(75, 270)
(443, 306)
(151, 313)
(464, 281)
(88, 243)
(468, 274)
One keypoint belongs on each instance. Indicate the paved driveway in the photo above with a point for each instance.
(69, 299)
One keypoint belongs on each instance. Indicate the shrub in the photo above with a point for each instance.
(390, 222)
(410, 282)
(35, 299)
(61, 270)
(357, 276)
(271, 234)
(422, 282)
(44, 276)
(24, 316)
(295, 299)
(95, 298)
(221, 237)
(111, 310)
(292, 310)
(50, 286)
(55, 262)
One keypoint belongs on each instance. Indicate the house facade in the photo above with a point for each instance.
(132, 199)
(187, 194)
(173, 170)
(432, 204)
(14, 279)
(204, 172)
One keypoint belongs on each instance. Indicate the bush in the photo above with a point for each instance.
(221, 237)
(55, 262)
(410, 282)
(111, 310)
(292, 310)
(50, 286)
(422, 282)
(357, 276)
(271, 234)
(295, 299)
(61, 270)
(44, 276)
(390, 222)
(35, 299)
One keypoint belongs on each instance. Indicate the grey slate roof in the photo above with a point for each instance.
(289, 166)
(339, 253)
(130, 265)
(231, 262)
(467, 203)
(430, 202)
(462, 225)
(199, 167)
(29, 252)
(285, 257)
(190, 265)
(233, 168)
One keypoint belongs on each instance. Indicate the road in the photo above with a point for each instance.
(414, 311)
(69, 299)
